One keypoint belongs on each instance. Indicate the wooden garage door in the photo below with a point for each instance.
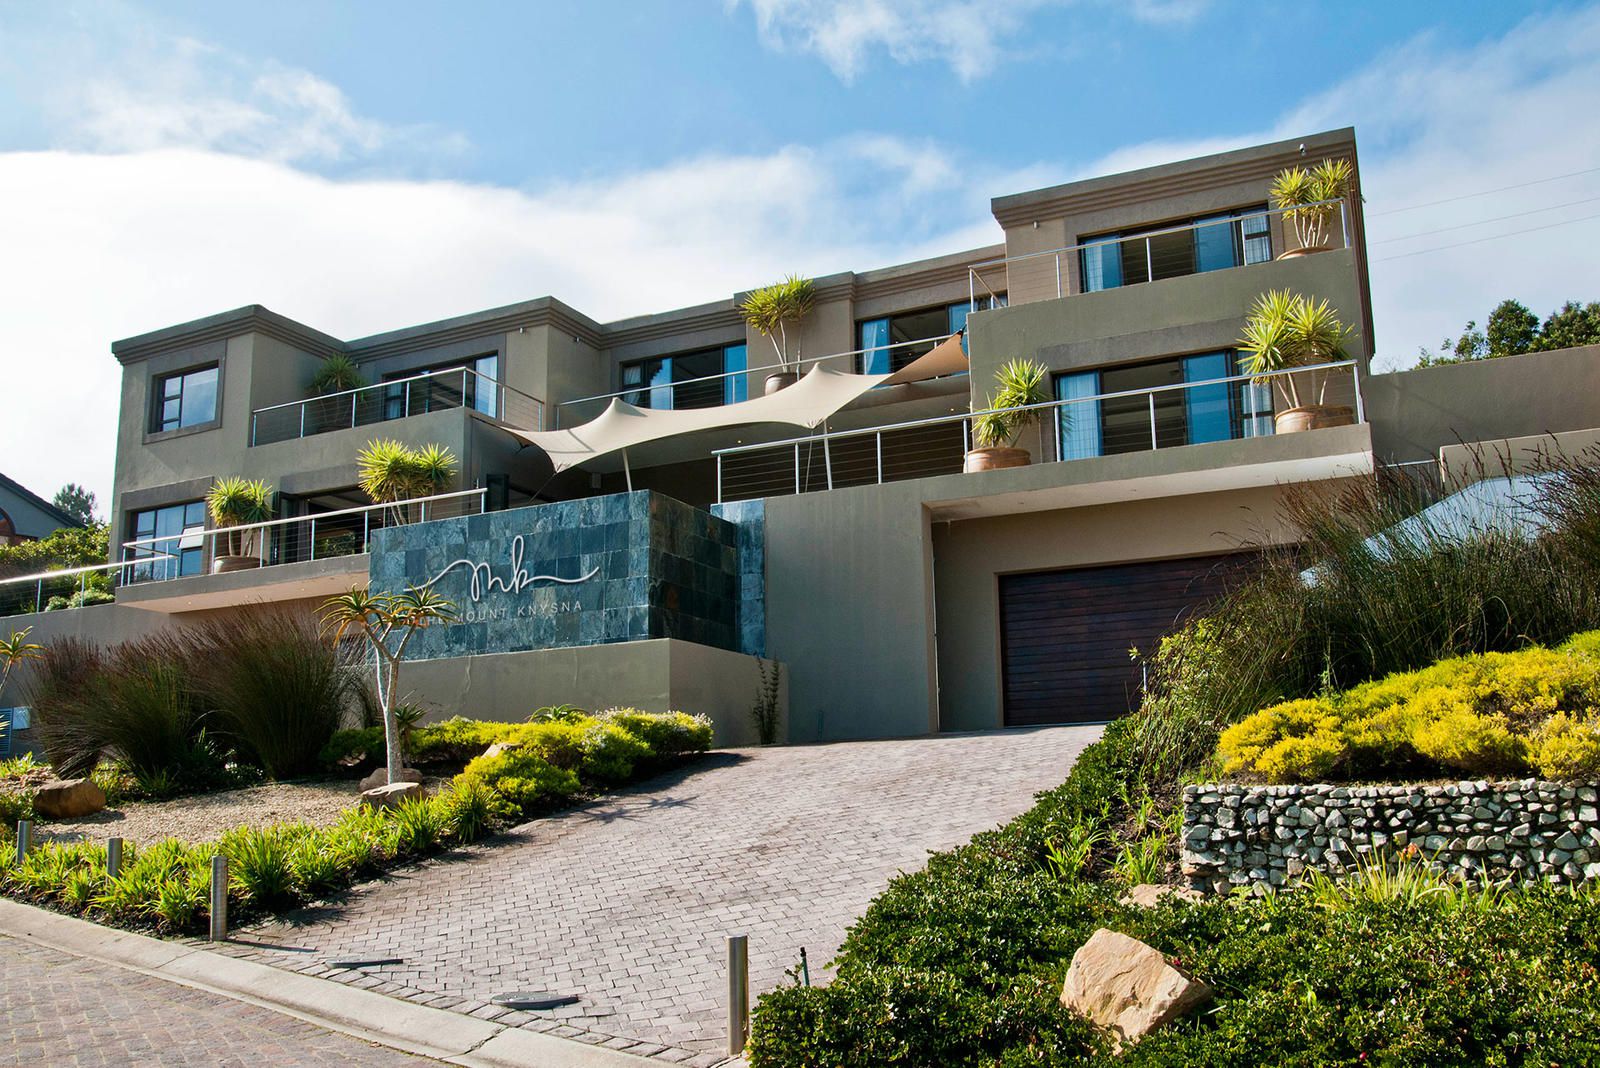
(1065, 635)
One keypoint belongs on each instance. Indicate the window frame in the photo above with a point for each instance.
(984, 302)
(643, 393)
(1234, 218)
(156, 423)
(144, 563)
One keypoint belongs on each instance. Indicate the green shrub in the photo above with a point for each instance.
(469, 810)
(558, 741)
(260, 862)
(558, 714)
(610, 753)
(457, 740)
(15, 805)
(523, 782)
(1568, 747)
(671, 735)
(354, 745)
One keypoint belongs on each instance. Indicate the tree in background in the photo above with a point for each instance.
(1512, 329)
(77, 502)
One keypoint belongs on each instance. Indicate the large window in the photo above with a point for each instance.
(1210, 243)
(882, 340)
(171, 541)
(474, 383)
(1154, 411)
(704, 379)
(188, 398)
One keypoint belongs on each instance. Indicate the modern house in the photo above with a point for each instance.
(26, 516)
(637, 517)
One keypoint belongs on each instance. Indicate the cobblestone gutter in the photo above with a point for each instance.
(1269, 836)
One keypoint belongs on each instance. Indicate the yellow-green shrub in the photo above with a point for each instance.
(522, 780)
(668, 735)
(1568, 747)
(561, 743)
(1492, 714)
(610, 753)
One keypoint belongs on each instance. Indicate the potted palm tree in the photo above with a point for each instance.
(772, 310)
(338, 374)
(1306, 198)
(1283, 331)
(392, 471)
(1019, 385)
(236, 502)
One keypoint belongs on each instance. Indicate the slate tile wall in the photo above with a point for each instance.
(662, 570)
(751, 519)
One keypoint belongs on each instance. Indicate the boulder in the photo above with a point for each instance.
(501, 747)
(381, 778)
(1123, 985)
(393, 795)
(68, 799)
(1145, 895)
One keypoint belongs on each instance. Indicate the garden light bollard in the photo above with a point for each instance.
(113, 857)
(738, 992)
(219, 898)
(24, 839)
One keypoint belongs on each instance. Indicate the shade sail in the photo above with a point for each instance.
(807, 403)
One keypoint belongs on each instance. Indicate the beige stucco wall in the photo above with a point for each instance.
(1416, 413)
(659, 675)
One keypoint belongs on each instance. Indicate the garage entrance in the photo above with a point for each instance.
(1065, 635)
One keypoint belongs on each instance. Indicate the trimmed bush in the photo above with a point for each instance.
(671, 735)
(523, 783)
(1493, 714)
(610, 752)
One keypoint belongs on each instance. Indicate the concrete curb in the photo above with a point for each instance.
(401, 1025)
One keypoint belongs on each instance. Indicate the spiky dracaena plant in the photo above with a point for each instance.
(14, 650)
(386, 622)
(1309, 198)
(391, 472)
(337, 374)
(239, 502)
(773, 309)
(1019, 386)
(1285, 330)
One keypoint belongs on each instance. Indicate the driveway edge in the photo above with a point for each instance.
(377, 1018)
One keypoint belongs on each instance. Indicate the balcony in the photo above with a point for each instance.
(1131, 259)
(1234, 407)
(455, 387)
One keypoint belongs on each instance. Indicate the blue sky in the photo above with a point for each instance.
(366, 166)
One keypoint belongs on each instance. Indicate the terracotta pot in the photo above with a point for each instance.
(995, 458)
(1295, 253)
(1312, 417)
(780, 380)
(221, 565)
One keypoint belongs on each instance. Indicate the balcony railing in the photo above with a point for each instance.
(297, 539)
(937, 446)
(346, 532)
(597, 403)
(454, 387)
(1151, 255)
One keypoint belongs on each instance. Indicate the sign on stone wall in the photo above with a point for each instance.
(620, 568)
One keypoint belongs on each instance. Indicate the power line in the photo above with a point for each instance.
(1482, 222)
(1491, 237)
(1484, 193)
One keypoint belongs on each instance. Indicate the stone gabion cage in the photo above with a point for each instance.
(1262, 837)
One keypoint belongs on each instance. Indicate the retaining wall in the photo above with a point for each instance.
(1269, 836)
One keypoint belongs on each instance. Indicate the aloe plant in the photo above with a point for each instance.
(774, 308)
(239, 502)
(1304, 196)
(392, 471)
(1285, 330)
(1019, 384)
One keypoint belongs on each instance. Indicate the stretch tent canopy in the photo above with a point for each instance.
(807, 403)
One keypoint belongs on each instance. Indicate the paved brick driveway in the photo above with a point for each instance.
(626, 902)
(70, 1011)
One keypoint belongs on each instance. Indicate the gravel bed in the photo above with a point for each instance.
(203, 817)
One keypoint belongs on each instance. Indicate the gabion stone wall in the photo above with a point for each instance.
(1270, 836)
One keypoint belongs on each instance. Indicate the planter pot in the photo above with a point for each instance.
(780, 380)
(221, 565)
(1312, 417)
(1311, 250)
(994, 459)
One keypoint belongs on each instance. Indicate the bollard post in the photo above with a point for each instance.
(738, 992)
(24, 839)
(219, 898)
(113, 857)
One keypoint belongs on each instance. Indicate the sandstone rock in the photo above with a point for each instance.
(381, 778)
(393, 795)
(501, 747)
(1145, 895)
(67, 799)
(1122, 984)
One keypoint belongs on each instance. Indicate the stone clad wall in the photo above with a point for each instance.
(751, 519)
(1269, 836)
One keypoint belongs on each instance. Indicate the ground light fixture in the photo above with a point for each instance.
(533, 1000)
